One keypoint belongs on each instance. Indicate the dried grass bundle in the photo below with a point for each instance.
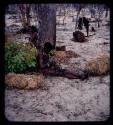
(23, 81)
(64, 56)
(99, 66)
(60, 56)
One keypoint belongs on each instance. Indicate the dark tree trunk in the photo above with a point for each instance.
(25, 14)
(107, 10)
(46, 15)
(47, 25)
(28, 8)
(22, 14)
(78, 13)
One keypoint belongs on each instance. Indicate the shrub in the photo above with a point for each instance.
(19, 57)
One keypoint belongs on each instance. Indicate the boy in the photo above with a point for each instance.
(49, 67)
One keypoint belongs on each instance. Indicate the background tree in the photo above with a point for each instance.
(92, 10)
(99, 14)
(78, 7)
(64, 12)
(25, 14)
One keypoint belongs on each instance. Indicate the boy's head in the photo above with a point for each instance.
(48, 47)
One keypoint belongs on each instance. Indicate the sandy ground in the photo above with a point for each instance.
(62, 99)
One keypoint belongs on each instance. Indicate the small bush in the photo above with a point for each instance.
(19, 57)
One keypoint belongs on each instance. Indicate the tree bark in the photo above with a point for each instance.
(28, 8)
(47, 25)
(46, 15)
(78, 13)
(107, 10)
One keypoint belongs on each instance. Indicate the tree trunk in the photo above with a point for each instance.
(47, 29)
(64, 15)
(25, 14)
(47, 25)
(22, 14)
(106, 15)
(28, 8)
(78, 13)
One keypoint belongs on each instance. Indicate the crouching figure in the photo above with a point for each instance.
(48, 65)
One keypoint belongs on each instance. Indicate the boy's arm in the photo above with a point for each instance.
(41, 60)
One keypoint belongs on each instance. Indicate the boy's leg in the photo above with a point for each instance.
(74, 75)
(64, 73)
(61, 72)
(87, 30)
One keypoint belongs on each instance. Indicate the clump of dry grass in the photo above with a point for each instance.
(71, 54)
(23, 81)
(60, 56)
(98, 66)
(64, 56)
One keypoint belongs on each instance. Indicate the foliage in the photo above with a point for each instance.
(19, 57)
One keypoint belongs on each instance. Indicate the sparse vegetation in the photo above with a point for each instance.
(19, 57)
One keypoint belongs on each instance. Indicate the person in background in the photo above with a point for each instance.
(86, 25)
(83, 21)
